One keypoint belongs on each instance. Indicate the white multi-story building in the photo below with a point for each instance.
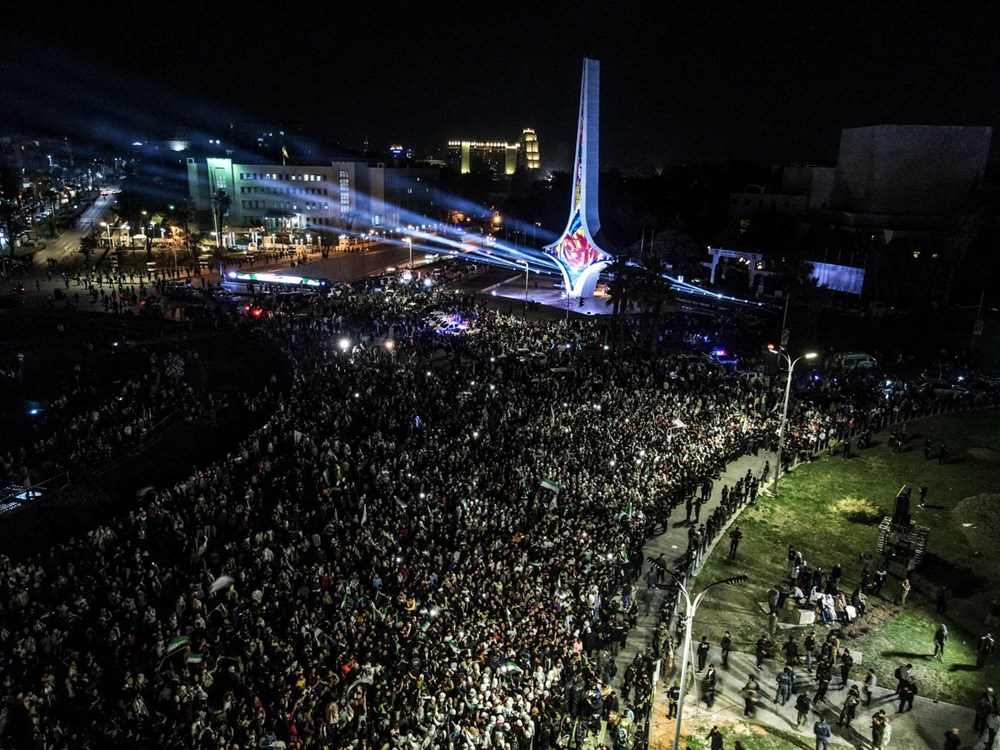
(352, 195)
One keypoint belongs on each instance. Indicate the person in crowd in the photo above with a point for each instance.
(378, 558)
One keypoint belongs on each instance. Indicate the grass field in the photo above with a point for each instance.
(809, 515)
(751, 736)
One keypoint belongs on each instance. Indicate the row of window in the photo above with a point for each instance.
(285, 206)
(345, 191)
(313, 221)
(250, 176)
(263, 190)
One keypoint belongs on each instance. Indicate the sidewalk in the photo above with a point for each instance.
(919, 729)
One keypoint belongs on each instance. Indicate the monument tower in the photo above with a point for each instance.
(577, 253)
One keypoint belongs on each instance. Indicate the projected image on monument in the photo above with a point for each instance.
(574, 252)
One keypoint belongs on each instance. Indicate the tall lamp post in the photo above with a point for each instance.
(409, 242)
(526, 271)
(784, 409)
(689, 613)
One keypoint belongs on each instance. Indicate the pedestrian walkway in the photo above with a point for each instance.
(922, 727)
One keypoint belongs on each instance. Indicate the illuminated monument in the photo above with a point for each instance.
(579, 257)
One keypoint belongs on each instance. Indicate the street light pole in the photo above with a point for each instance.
(691, 608)
(784, 409)
(526, 271)
(409, 241)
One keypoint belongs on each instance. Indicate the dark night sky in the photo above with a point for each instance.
(768, 82)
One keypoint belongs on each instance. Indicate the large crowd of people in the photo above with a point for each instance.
(427, 542)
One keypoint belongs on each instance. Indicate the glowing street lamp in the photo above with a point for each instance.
(409, 241)
(784, 409)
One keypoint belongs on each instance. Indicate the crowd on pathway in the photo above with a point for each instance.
(429, 541)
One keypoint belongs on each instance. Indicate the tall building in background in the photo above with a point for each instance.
(483, 157)
(529, 155)
(577, 252)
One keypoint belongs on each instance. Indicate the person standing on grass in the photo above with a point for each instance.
(734, 542)
(940, 639)
(921, 496)
(984, 649)
(904, 591)
(716, 739)
(881, 576)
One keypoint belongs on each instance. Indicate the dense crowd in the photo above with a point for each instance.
(427, 542)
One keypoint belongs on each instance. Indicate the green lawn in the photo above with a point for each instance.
(752, 736)
(807, 516)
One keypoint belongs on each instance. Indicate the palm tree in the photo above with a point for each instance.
(652, 294)
(220, 207)
(621, 291)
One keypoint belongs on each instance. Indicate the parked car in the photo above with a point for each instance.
(942, 388)
(852, 361)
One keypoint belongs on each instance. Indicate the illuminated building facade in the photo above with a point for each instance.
(483, 157)
(529, 153)
(320, 198)
(577, 253)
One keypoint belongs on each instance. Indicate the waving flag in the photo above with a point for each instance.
(551, 485)
(220, 583)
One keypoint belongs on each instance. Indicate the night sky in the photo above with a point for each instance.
(767, 82)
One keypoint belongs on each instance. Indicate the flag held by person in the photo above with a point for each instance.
(551, 485)
(221, 583)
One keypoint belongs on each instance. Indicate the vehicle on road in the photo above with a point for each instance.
(941, 387)
(852, 361)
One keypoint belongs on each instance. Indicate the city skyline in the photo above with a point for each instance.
(680, 84)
